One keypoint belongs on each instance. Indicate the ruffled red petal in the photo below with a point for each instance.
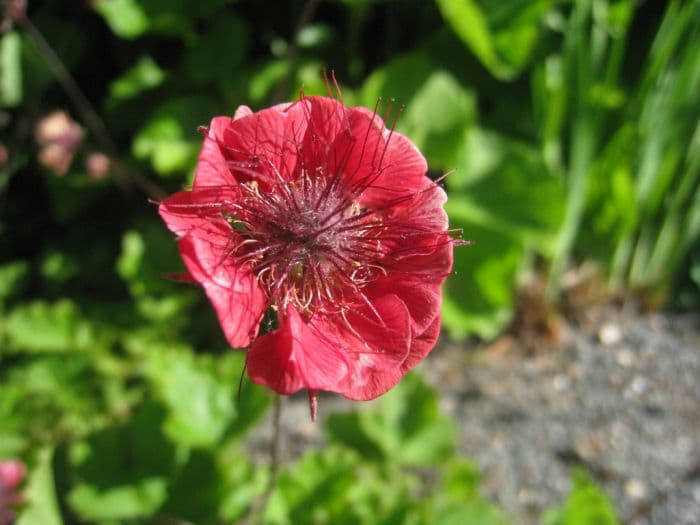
(298, 355)
(234, 292)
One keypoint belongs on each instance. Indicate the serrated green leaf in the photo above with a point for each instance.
(122, 472)
(44, 327)
(200, 404)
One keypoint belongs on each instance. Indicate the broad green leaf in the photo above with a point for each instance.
(437, 109)
(200, 403)
(469, 22)
(40, 504)
(479, 295)
(44, 327)
(315, 490)
(202, 504)
(10, 69)
(126, 18)
(506, 186)
(217, 53)
(406, 428)
(501, 33)
(142, 76)
(56, 396)
(122, 472)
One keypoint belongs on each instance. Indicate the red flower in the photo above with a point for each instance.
(321, 213)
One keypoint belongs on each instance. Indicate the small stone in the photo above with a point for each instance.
(610, 334)
(635, 489)
(561, 382)
(625, 357)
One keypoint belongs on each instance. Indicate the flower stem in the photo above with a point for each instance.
(256, 512)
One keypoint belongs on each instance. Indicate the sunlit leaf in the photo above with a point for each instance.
(406, 428)
(44, 327)
(126, 18)
(10, 69)
(13, 277)
(586, 504)
(39, 502)
(144, 75)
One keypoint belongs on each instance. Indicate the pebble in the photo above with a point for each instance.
(635, 489)
(610, 334)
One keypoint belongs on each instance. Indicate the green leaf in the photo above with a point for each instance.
(13, 278)
(479, 295)
(437, 111)
(39, 502)
(471, 513)
(407, 428)
(122, 472)
(126, 18)
(471, 25)
(201, 505)
(169, 138)
(506, 186)
(44, 327)
(586, 504)
(10, 69)
(501, 33)
(217, 53)
(200, 403)
(315, 490)
(142, 76)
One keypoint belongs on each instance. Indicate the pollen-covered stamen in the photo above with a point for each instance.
(304, 244)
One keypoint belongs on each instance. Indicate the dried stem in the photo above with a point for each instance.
(87, 112)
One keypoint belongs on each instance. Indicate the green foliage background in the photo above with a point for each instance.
(571, 127)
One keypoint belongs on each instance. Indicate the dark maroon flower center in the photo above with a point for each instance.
(308, 241)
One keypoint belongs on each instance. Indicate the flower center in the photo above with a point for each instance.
(309, 243)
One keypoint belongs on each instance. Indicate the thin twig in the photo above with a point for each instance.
(306, 15)
(87, 112)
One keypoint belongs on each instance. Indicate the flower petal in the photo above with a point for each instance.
(422, 345)
(264, 146)
(233, 291)
(201, 209)
(378, 344)
(212, 169)
(422, 299)
(297, 355)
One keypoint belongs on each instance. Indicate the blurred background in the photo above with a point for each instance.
(564, 390)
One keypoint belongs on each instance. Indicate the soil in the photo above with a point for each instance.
(621, 400)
